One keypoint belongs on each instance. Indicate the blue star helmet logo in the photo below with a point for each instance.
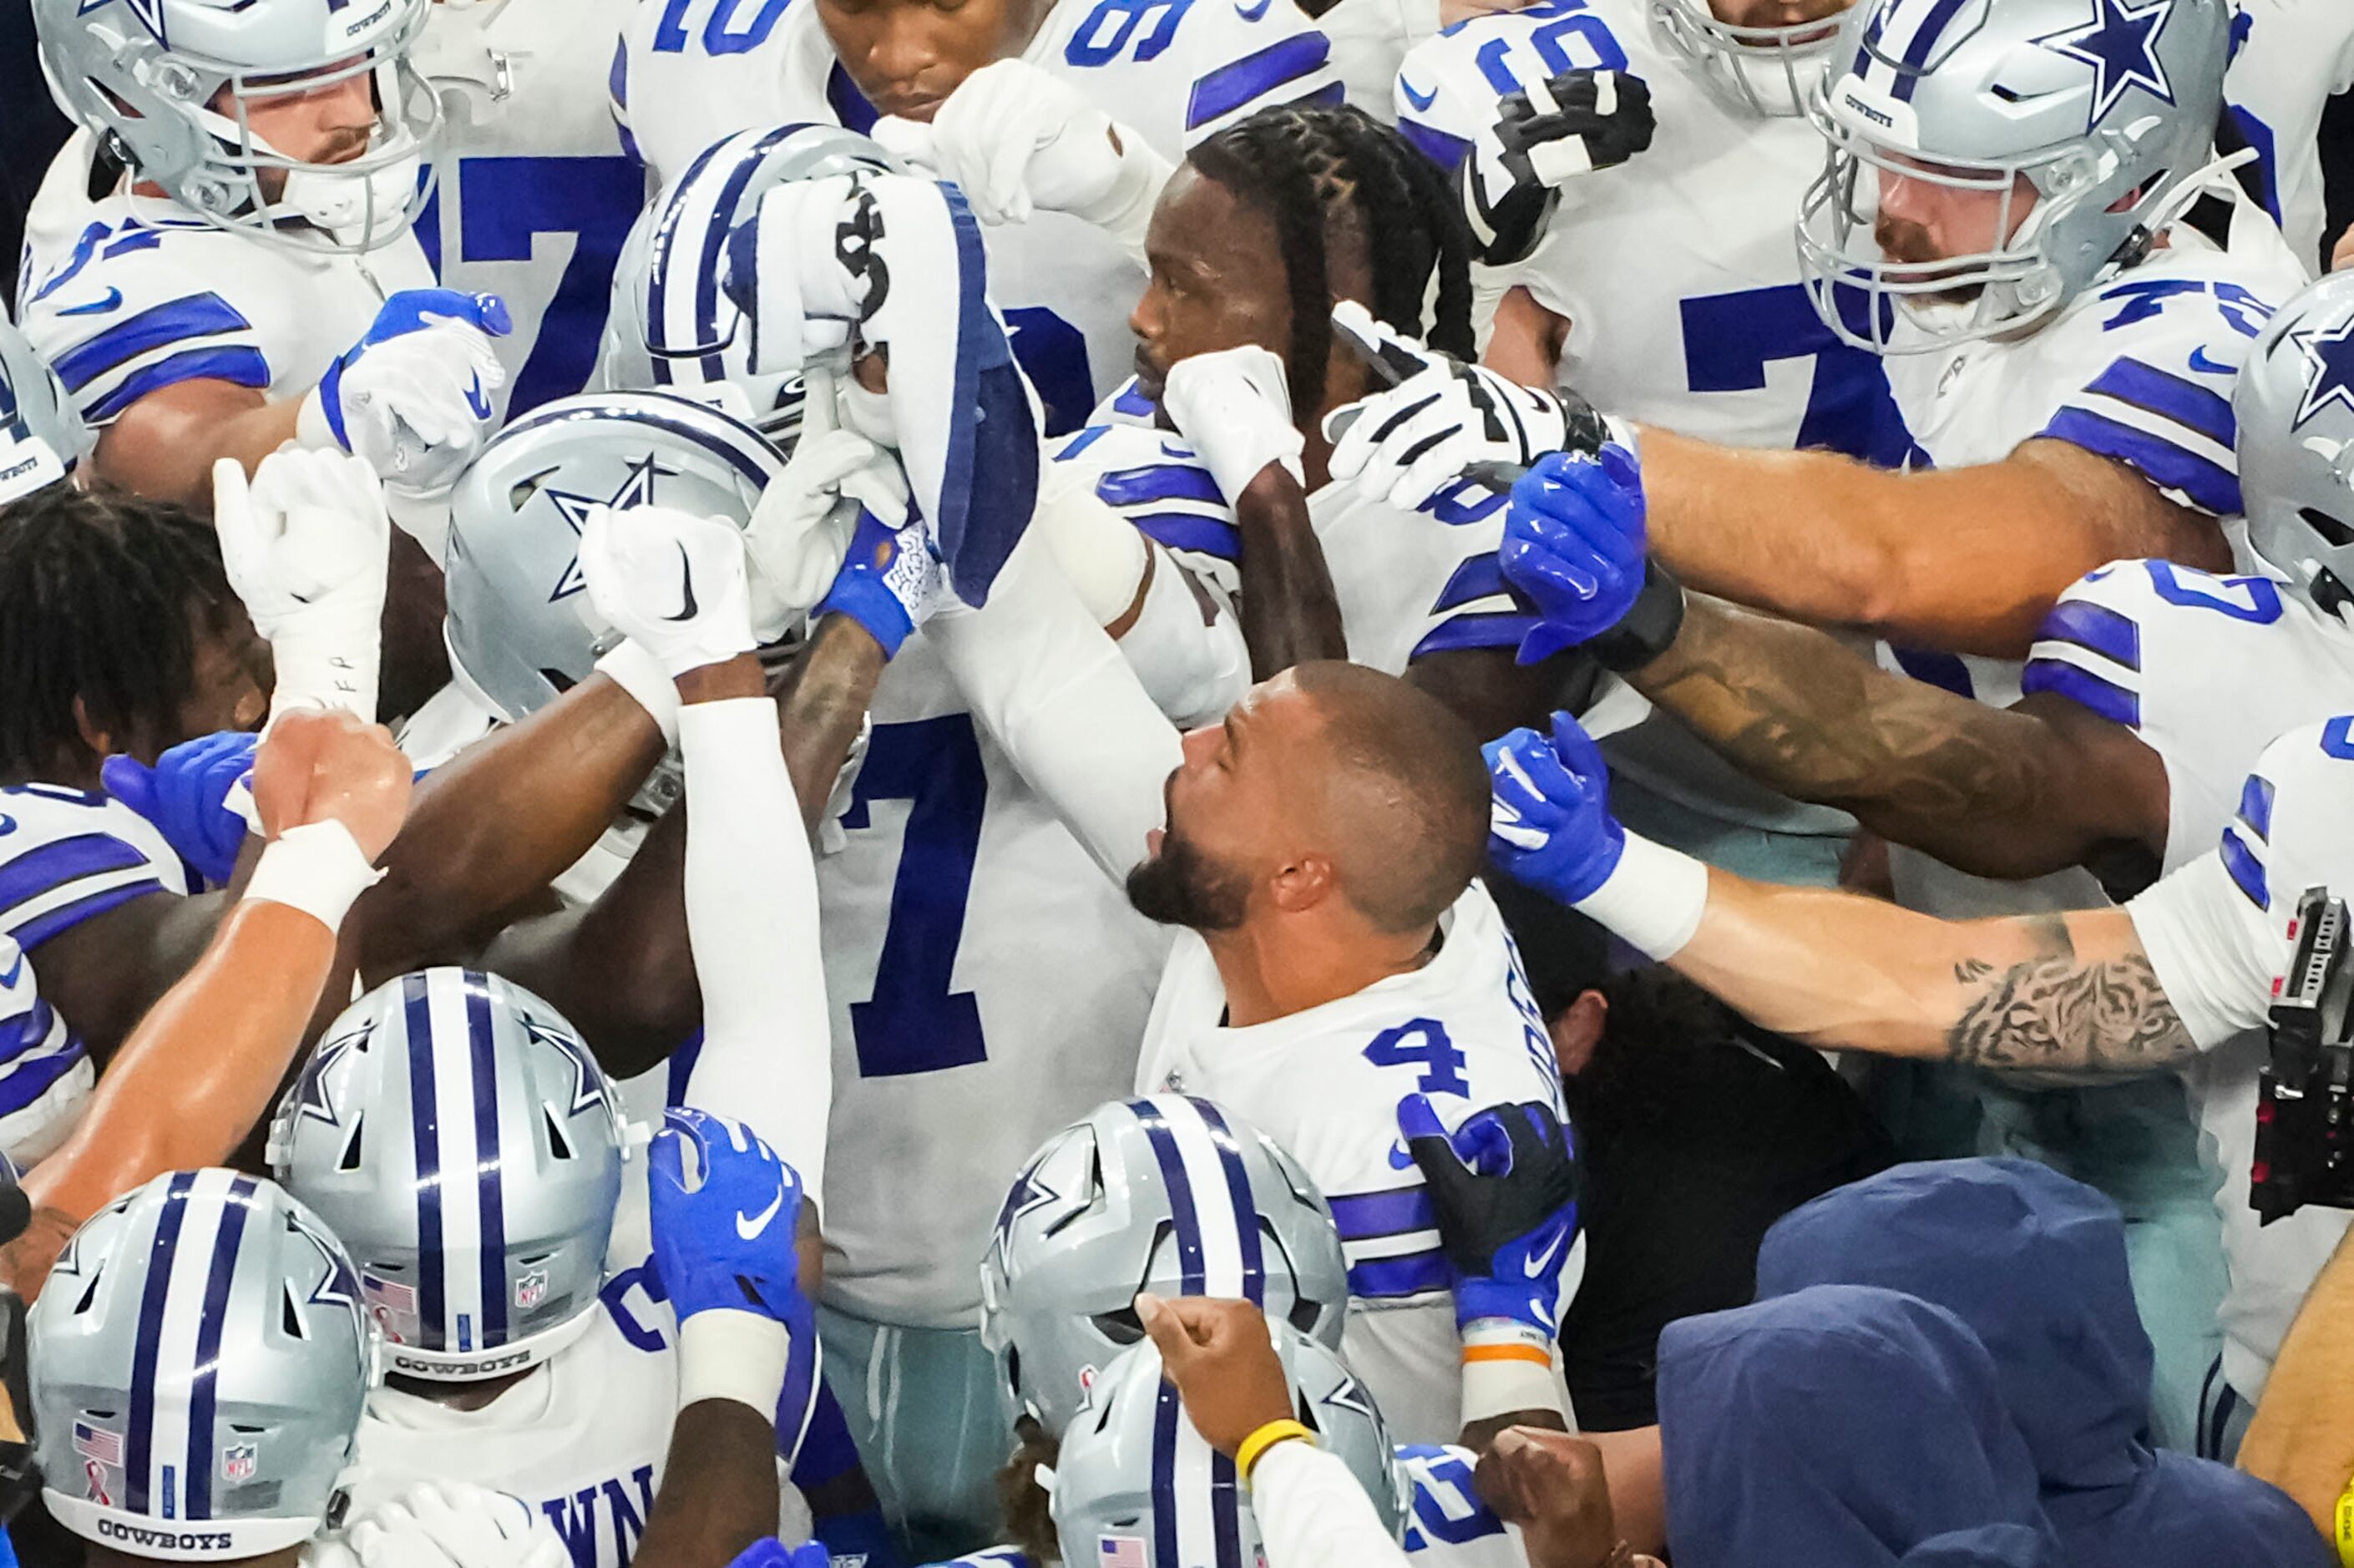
(2120, 43)
(588, 1083)
(1351, 1395)
(2329, 361)
(1028, 1196)
(637, 490)
(310, 1088)
(340, 1287)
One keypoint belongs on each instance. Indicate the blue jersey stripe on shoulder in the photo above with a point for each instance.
(1365, 1215)
(56, 864)
(1191, 531)
(1411, 1274)
(242, 366)
(2256, 805)
(1158, 481)
(2247, 874)
(1480, 629)
(1447, 152)
(175, 321)
(2096, 629)
(2086, 690)
(2186, 403)
(1222, 92)
(32, 933)
(2209, 485)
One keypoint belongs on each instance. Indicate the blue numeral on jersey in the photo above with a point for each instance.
(1730, 339)
(1594, 49)
(1446, 1505)
(722, 33)
(2223, 595)
(1106, 33)
(1421, 1043)
(1054, 355)
(914, 1023)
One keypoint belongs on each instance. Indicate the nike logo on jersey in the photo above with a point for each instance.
(750, 1228)
(1420, 100)
(1252, 13)
(110, 299)
(2206, 367)
(1400, 1159)
(1540, 1266)
(7, 824)
(685, 587)
(8, 981)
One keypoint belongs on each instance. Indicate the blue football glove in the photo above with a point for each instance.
(1504, 1187)
(771, 1552)
(1574, 543)
(727, 1211)
(1549, 822)
(412, 396)
(184, 796)
(888, 583)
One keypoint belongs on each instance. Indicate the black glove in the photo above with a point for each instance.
(1545, 137)
(1504, 1189)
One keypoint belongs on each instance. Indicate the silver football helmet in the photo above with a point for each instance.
(169, 87)
(199, 1363)
(672, 328)
(2085, 125)
(520, 629)
(1769, 70)
(42, 437)
(1168, 1194)
(2294, 406)
(1134, 1478)
(468, 1149)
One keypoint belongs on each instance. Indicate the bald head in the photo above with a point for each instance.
(1403, 811)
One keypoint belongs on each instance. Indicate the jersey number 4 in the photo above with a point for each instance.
(1421, 1043)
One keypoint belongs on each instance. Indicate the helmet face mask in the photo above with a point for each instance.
(173, 88)
(1770, 71)
(2293, 405)
(2076, 155)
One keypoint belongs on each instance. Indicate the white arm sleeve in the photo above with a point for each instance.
(1312, 1514)
(1053, 691)
(751, 918)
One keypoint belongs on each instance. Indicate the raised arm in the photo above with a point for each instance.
(200, 1069)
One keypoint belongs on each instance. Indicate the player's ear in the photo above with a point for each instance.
(1301, 885)
(99, 739)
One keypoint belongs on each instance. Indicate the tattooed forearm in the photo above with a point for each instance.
(2059, 1012)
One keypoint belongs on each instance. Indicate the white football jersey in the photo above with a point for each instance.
(45, 1073)
(2292, 56)
(1408, 584)
(1325, 1083)
(131, 294)
(693, 71)
(988, 984)
(2209, 672)
(535, 191)
(582, 1438)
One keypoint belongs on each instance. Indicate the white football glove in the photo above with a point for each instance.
(305, 545)
(1408, 444)
(671, 582)
(413, 395)
(785, 268)
(800, 527)
(1234, 408)
(451, 1524)
(1013, 139)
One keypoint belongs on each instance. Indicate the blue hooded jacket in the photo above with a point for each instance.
(1842, 1427)
(2035, 1264)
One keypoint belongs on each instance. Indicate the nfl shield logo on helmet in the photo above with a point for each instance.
(239, 1462)
(532, 1288)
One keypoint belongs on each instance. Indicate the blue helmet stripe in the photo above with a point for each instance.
(1925, 40)
(424, 1129)
(658, 294)
(723, 219)
(204, 1392)
(1226, 1510)
(1238, 1193)
(489, 1189)
(1167, 1412)
(1180, 1193)
(138, 1453)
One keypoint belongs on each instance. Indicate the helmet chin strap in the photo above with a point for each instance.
(2213, 175)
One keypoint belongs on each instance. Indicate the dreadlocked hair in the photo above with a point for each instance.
(105, 594)
(1305, 166)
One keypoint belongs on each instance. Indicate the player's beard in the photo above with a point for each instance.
(1182, 886)
(1908, 244)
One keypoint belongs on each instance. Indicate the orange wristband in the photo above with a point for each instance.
(1531, 1353)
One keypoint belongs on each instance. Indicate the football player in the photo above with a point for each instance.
(2151, 690)
(221, 260)
(1109, 91)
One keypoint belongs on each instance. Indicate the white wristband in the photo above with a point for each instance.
(642, 675)
(317, 868)
(1504, 1386)
(726, 1354)
(1653, 900)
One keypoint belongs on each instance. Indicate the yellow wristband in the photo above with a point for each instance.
(2345, 1532)
(1246, 1457)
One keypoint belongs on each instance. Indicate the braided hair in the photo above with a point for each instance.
(105, 596)
(1303, 166)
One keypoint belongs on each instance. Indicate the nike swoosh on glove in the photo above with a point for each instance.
(1545, 136)
(185, 795)
(673, 583)
(1504, 1188)
(412, 396)
(727, 1211)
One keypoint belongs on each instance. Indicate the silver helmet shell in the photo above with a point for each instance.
(520, 626)
(2081, 124)
(672, 328)
(467, 1147)
(199, 1362)
(42, 436)
(1168, 1194)
(170, 88)
(2294, 407)
(1134, 1477)
(1770, 71)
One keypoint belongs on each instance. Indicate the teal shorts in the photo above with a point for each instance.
(931, 1427)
